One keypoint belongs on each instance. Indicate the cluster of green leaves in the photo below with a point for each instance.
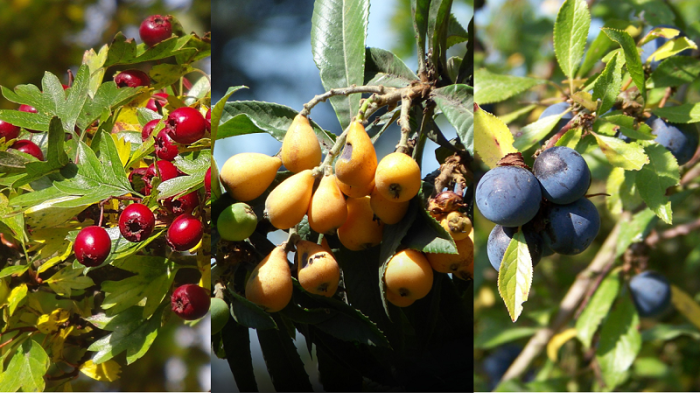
(90, 134)
(641, 177)
(356, 333)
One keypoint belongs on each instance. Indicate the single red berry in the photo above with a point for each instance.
(161, 98)
(132, 78)
(185, 232)
(28, 147)
(9, 131)
(190, 301)
(185, 125)
(92, 246)
(148, 128)
(184, 204)
(207, 181)
(28, 108)
(165, 148)
(167, 172)
(136, 222)
(155, 29)
(207, 119)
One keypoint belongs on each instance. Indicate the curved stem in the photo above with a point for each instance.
(344, 91)
(405, 123)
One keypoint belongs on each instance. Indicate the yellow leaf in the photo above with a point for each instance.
(57, 342)
(686, 305)
(53, 240)
(558, 341)
(123, 148)
(129, 113)
(48, 323)
(107, 371)
(492, 139)
(68, 251)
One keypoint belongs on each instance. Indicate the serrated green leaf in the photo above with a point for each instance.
(68, 279)
(608, 84)
(570, 33)
(455, 32)
(492, 88)
(619, 343)
(533, 133)
(622, 192)
(491, 339)
(636, 230)
(26, 369)
(676, 71)
(597, 308)
(338, 31)
(667, 332)
(153, 279)
(686, 113)
(131, 333)
(629, 156)
(599, 47)
(655, 177)
(515, 275)
(632, 58)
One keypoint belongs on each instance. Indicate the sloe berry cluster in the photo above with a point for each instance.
(548, 203)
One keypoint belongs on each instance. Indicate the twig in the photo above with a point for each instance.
(567, 307)
(344, 91)
(680, 230)
(561, 132)
(404, 122)
(667, 95)
(594, 288)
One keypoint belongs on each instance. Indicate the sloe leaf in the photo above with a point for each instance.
(619, 343)
(492, 88)
(531, 134)
(632, 59)
(628, 156)
(608, 84)
(515, 275)
(598, 307)
(492, 138)
(655, 177)
(676, 71)
(570, 33)
(686, 113)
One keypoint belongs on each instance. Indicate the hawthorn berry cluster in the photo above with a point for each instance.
(549, 204)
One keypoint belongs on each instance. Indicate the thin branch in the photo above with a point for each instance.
(344, 91)
(673, 232)
(567, 307)
(405, 123)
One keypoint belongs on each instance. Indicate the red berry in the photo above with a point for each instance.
(28, 108)
(165, 148)
(207, 181)
(167, 172)
(185, 232)
(148, 129)
(132, 78)
(155, 29)
(190, 301)
(92, 246)
(28, 147)
(185, 125)
(136, 222)
(9, 131)
(207, 119)
(184, 204)
(163, 101)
